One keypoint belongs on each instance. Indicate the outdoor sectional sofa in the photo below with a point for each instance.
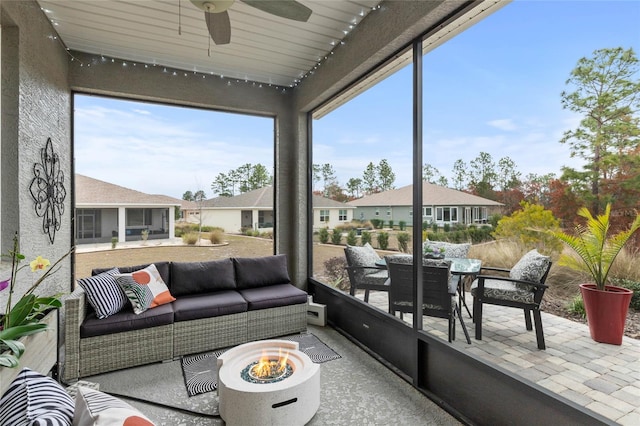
(217, 304)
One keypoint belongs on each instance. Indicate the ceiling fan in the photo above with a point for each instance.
(217, 17)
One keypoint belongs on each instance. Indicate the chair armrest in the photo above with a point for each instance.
(75, 310)
(491, 268)
(539, 288)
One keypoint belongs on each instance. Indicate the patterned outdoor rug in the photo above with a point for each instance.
(201, 372)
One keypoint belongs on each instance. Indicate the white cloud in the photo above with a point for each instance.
(503, 124)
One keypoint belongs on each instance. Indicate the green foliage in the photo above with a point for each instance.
(323, 235)
(403, 225)
(336, 270)
(352, 237)
(425, 226)
(365, 237)
(114, 242)
(403, 241)
(633, 286)
(494, 219)
(391, 224)
(595, 249)
(576, 306)
(446, 227)
(524, 226)
(434, 227)
(383, 240)
(336, 237)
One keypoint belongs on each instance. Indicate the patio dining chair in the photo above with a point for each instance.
(363, 272)
(523, 288)
(438, 294)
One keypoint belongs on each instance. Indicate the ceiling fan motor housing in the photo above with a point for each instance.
(213, 6)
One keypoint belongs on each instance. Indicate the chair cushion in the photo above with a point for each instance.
(202, 277)
(35, 400)
(210, 305)
(361, 256)
(103, 293)
(95, 408)
(530, 267)
(504, 290)
(126, 320)
(254, 272)
(273, 296)
(450, 249)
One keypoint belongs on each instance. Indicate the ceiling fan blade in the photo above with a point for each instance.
(219, 26)
(289, 9)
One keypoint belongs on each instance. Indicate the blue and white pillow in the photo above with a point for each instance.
(35, 400)
(104, 294)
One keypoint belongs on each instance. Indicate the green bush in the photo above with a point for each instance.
(576, 306)
(365, 237)
(521, 226)
(383, 240)
(425, 226)
(403, 241)
(633, 286)
(323, 235)
(248, 232)
(434, 227)
(336, 237)
(446, 227)
(190, 238)
(114, 242)
(376, 223)
(403, 225)
(352, 238)
(391, 224)
(266, 235)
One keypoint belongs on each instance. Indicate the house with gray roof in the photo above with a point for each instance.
(254, 210)
(440, 205)
(104, 210)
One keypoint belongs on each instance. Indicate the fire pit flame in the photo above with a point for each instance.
(269, 369)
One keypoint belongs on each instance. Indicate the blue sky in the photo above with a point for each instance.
(494, 88)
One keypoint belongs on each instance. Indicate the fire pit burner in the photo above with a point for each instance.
(290, 394)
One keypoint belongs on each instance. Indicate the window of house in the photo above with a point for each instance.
(138, 217)
(324, 215)
(377, 212)
(388, 212)
(342, 215)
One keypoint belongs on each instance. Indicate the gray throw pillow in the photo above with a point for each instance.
(530, 267)
(460, 251)
(362, 256)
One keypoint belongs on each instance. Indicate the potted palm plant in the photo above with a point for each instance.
(606, 305)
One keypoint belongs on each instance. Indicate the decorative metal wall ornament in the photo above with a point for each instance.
(47, 190)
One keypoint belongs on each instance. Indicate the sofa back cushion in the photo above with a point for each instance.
(252, 272)
(162, 267)
(202, 277)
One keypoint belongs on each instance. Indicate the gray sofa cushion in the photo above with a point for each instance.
(211, 305)
(162, 267)
(202, 277)
(254, 272)
(273, 296)
(126, 320)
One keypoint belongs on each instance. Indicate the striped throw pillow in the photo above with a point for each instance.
(103, 293)
(35, 400)
(95, 408)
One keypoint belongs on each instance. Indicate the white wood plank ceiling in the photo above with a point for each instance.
(263, 48)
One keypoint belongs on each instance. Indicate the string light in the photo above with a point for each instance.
(335, 43)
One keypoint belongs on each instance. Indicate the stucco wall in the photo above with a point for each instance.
(35, 106)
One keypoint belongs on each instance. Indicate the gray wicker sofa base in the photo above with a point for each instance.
(218, 304)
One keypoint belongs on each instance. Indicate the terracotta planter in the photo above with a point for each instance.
(606, 312)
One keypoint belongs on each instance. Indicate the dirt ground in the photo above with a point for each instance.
(242, 246)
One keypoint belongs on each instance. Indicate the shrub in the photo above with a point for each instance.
(383, 240)
(576, 306)
(521, 225)
(633, 286)
(352, 238)
(376, 223)
(114, 242)
(446, 227)
(266, 235)
(248, 232)
(434, 227)
(425, 226)
(144, 234)
(365, 237)
(336, 270)
(190, 238)
(336, 237)
(402, 225)
(323, 235)
(215, 237)
(391, 224)
(403, 241)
